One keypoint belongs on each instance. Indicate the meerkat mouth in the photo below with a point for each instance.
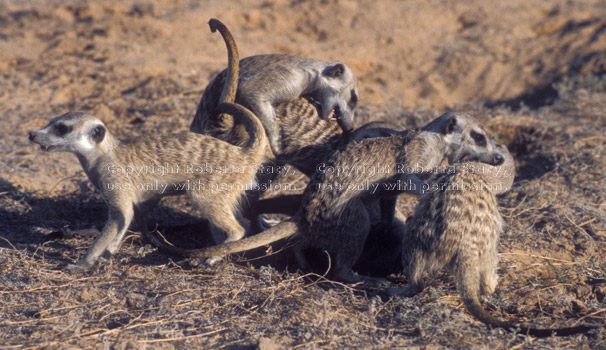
(334, 115)
(47, 148)
(494, 160)
(467, 157)
(330, 115)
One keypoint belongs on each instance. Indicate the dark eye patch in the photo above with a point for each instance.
(98, 133)
(62, 129)
(353, 101)
(478, 138)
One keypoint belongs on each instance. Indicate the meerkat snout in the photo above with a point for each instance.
(498, 159)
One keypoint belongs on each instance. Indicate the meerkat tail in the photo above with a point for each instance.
(469, 294)
(258, 139)
(233, 66)
(282, 230)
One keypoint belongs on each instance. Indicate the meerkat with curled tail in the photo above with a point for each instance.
(131, 174)
(268, 80)
(457, 224)
(274, 87)
(334, 211)
(135, 173)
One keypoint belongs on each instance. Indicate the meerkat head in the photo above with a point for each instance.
(75, 132)
(467, 139)
(338, 94)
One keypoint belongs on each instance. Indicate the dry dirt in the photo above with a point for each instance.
(533, 71)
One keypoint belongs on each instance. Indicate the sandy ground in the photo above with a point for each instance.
(532, 71)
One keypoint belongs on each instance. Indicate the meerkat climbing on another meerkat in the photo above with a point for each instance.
(457, 224)
(334, 214)
(268, 80)
(276, 88)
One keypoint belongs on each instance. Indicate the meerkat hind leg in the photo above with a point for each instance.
(139, 214)
(221, 214)
(344, 256)
(300, 258)
(418, 266)
(228, 225)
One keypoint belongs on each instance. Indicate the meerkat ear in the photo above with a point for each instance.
(98, 133)
(335, 71)
(450, 125)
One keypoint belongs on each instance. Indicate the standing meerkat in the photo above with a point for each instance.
(457, 223)
(334, 214)
(139, 172)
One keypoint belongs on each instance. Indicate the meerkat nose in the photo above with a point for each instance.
(32, 135)
(498, 159)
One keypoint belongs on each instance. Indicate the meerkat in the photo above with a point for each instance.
(212, 172)
(457, 224)
(333, 214)
(268, 80)
(307, 140)
(195, 161)
(270, 85)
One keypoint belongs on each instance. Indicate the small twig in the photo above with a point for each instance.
(512, 210)
(577, 226)
(148, 341)
(589, 315)
(516, 346)
(9, 242)
(117, 312)
(539, 302)
(383, 307)
(308, 343)
(60, 181)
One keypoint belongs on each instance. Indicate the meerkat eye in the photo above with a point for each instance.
(450, 126)
(98, 133)
(335, 71)
(479, 139)
(62, 129)
(353, 102)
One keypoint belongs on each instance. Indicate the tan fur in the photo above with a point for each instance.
(268, 80)
(334, 214)
(212, 172)
(272, 86)
(457, 224)
(305, 140)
